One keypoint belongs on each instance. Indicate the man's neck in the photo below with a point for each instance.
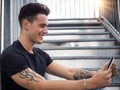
(26, 44)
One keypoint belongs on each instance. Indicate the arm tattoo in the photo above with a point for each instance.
(82, 74)
(28, 75)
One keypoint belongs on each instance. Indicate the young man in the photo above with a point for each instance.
(23, 66)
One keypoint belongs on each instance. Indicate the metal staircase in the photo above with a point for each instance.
(81, 43)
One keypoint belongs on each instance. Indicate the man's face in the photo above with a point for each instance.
(37, 29)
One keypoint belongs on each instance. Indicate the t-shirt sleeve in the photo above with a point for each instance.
(48, 59)
(13, 63)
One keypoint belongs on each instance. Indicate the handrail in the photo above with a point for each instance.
(109, 26)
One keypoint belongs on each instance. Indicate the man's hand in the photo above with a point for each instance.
(102, 77)
(114, 69)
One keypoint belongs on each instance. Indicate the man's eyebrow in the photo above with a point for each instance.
(43, 24)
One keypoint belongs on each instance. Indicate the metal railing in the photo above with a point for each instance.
(109, 10)
(110, 27)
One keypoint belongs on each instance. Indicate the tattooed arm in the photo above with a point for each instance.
(83, 74)
(29, 76)
(32, 81)
(26, 78)
(69, 73)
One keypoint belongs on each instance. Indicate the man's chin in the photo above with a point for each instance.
(40, 42)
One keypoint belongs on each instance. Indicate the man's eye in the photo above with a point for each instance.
(42, 26)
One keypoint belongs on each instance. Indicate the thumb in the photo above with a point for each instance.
(105, 67)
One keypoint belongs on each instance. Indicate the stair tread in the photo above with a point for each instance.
(76, 40)
(83, 57)
(79, 33)
(73, 23)
(77, 27)
(76, 48)
(71, 19)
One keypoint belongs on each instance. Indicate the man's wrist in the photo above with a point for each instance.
(84, 84)
(90, 84)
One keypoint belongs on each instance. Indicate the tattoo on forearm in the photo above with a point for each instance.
(82, 74)
(28, 75)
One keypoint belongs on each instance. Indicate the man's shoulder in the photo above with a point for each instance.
(12, 54)
(11, 50)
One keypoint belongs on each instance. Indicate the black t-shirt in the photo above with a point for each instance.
(15, 59)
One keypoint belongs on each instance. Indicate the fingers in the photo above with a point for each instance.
(108, 73)
(114, 70)
(103, 77)
(105, 67)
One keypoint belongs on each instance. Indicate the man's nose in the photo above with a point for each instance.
(45, 31)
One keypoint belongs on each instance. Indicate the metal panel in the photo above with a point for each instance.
(0, 35)
(72, 8)
(14, 9)
(0, 21)
(2, 25)
(6, 22)
(15, 6)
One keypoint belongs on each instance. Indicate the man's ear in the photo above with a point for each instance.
(26, 24)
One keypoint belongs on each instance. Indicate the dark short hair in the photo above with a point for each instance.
(30, 10)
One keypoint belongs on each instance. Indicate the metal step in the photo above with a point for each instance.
(80, 48)
(86, 63)
(77, 30)
(78, 40)
(75, 27)
(78, 33)
(77, 44)
(71, 24)
(72, 36)
(72, 20)
(85, 57)
(84, 52)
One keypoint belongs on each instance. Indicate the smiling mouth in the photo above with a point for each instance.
(41, 37)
